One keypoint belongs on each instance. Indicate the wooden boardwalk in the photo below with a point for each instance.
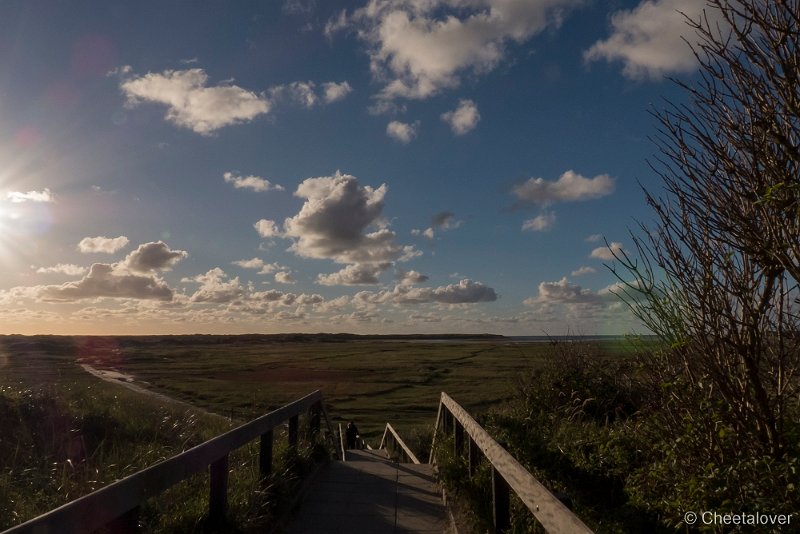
(369, 494)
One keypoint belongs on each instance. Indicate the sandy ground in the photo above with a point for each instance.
(128, 381)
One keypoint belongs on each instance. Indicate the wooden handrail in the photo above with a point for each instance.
(342, 448)
(390, 432)
(120, 499)
(554, 516)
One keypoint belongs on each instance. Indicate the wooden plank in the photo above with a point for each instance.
(99, 508)
(265, 455)
(548, 510)
(501, 503)
(218, 493)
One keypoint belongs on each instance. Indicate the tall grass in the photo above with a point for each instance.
(62, 442)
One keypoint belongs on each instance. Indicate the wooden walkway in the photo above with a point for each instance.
(369, 494)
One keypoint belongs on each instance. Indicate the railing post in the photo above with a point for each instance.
(265, 455)
(458, 438)
(218, 498)
(293, 426)
(501, 505)
(473, 456)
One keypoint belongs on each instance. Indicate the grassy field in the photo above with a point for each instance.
(369, 380)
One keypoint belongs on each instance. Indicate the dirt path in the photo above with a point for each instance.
(128, 381)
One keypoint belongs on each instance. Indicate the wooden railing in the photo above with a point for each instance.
(119, 502)
(391, 440)
(507, 473)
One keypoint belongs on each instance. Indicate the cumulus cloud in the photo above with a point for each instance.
(419, 48)
(63, 268)
(583, 270)
(191, 103)
(335, 219)
(540, 223)
(564, 292)
(649, 39)
(258, 263)
(308, 95)
(18, 197)
(464, 118)
(106, 245)
(254, 263)
(411, 277)
(214, 287)
(356, 274)
(153, 256)
(300, 92)
(267, 228)
(284, 277)
(570, 187)
(332, 91)
(402, 131)
(104, 280)
(256, 183)
(464, 292)
(607, 253)
(444, 220)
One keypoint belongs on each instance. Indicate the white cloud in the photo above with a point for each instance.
(334, 222)
(594, 238)
(300, 92)
(256, 183)
(428, 232)
(254, 263)
(464, 118)
(648, 39)
(336, 24)
(570, 187)
(464, 292)
(422, 47)
(284, 277)
(356, 274)
(63, 268)
(583, 270)
(402, 131)
(444, 220)
(308, 95)
(267, 228)
(153, 256)
(412, 277)
(333, 91)
(103, 280)
(540, 223)
(18, 197)
(106, 245)
(607, 253)
(215, 289)
(258, 263)
(191, 104)
(563, 292)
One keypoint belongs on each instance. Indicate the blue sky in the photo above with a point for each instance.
(383, 166)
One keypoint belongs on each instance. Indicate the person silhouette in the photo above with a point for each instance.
(351, 435)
